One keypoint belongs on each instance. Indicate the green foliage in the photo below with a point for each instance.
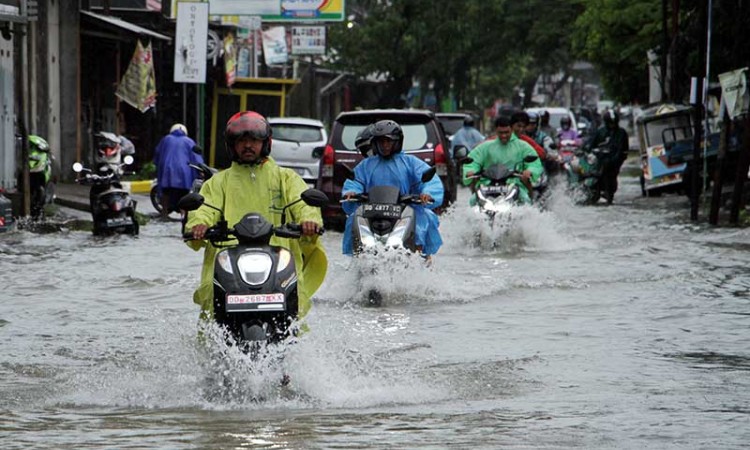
(147, 172)
(484, 48)
(615, 35)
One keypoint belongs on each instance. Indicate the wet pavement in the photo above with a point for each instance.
(574, 327)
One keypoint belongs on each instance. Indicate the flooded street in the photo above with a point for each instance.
(576, 327)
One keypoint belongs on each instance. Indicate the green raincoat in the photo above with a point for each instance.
(265, 188)
(511, 155)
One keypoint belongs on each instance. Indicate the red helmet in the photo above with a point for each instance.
(247, 123)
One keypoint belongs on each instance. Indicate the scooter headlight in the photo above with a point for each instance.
(284, 258)
(223, 259)
(255, 267)
(501, 206)
(396, 237)
(365, 235)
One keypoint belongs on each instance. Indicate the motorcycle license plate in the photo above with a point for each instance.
(255, 301)
(118, 221)
(495, 190)
(381, 211)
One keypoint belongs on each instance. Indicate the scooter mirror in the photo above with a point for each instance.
(460, 152)
(77, 167)
(314, 197)
(530, 158)
(428, 174)
(128, 159)
(190, 202)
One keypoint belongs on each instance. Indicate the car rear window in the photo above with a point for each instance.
(416, 136)
(297, 133)
(451, 125)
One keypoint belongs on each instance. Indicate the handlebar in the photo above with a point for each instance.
(218, 233)
(407, 199)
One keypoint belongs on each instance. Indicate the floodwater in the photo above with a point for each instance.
(576, 327)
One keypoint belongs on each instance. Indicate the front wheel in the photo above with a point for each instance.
(156, 198)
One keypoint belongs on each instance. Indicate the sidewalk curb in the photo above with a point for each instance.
(72, 203)
(138, 187)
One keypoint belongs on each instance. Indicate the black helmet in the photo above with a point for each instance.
(565, 120)
(468, 121)
(611, 117)
(247, 123)
(387, 129)
(533, 118)
(363, 141)
(519, 116)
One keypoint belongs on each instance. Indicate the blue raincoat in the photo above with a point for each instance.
(405, 172)
(171, 157)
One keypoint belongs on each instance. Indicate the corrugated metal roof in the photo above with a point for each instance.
(133, 28)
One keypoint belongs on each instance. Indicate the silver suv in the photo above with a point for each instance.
(294, 139)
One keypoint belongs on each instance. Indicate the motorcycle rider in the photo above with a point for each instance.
(544, 140)
(255, 183)
(546, 128)
(363, 141)
(567, 132)
(173, 174)
(390, 167)
(615, 138)
(509, 150)
(518, 122)
(468, 136)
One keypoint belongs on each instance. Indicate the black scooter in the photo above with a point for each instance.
(255, 283)
(112, 207)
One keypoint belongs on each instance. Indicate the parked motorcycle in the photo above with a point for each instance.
(112, 208)
(498, 197)
(111, 149)
(255, 283)
(40, 175)
(584, 172)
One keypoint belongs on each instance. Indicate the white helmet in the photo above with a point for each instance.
(179, 126)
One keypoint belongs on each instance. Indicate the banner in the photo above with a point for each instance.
(735, 92)
(137, 87)
(230, 61)
(274, 46)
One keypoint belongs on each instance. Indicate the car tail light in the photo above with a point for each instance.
(327, 167)
(441, 163)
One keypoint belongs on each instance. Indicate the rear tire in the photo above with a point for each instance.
(156, 198)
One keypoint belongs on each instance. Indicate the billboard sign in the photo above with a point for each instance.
(307, 10)
(308, 40)
(244, 7)
(191, 45)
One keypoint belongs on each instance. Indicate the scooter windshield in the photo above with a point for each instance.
(384, 194)
(497, 172)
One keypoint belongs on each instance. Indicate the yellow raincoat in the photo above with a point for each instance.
(265, 188)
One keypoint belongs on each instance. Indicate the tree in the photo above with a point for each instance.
(615, 36)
